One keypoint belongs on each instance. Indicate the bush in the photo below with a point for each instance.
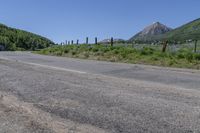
(189, 56)
(59, 53)
(180, 56)
(66, 51)
(197, 56)
(11, 47)
(123, 54)
(99, 53)
(104, 49)
(116, 51)
(155, 58)
(147, 51)
(86, 55)
(95, 49)
(73, 52)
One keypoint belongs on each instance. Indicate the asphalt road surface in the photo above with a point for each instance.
(45, 94)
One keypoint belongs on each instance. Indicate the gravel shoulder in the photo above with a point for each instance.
(20, 117)
(37, 99)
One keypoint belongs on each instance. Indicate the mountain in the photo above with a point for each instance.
(151, 32)
(15, 39)
(189, 31)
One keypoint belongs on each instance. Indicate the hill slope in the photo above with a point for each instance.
(13, 39)
(105, 41)
(189, 31)
(151, 32)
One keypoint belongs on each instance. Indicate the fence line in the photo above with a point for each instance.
(165, 46)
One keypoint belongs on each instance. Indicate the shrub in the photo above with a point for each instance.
(74, 52)
(197, 56)
(155, 58)
(189, 56)
(95, 49)
(171, 62)
(147, 51)
(86, 55)
(180, 55)
(59, 53)
(116, 51)
(123, 54)
(112, 48)
(99, 53)
(104, 49)
(66, 51)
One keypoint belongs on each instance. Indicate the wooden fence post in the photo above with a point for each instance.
(87, 40)
(164, 46)
(195, 46)
(96, 41)
(111, 41)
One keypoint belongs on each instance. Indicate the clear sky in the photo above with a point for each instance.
(62, 20)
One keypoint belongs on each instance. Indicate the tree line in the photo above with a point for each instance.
(15, 39)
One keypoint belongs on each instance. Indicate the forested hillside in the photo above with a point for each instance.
(189, 31)
(15, 39)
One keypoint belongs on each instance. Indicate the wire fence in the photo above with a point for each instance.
(170, 47)
(193, 46)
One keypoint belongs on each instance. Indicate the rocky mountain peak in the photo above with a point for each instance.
(154, 29)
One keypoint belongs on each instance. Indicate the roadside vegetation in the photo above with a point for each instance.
(183, 58)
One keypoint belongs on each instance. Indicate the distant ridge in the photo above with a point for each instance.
(115, 40)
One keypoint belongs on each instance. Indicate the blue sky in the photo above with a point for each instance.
(62, 20)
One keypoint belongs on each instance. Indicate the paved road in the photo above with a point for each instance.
(178, 77)
(61, 95)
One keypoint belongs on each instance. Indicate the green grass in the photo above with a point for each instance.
(184, 58)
